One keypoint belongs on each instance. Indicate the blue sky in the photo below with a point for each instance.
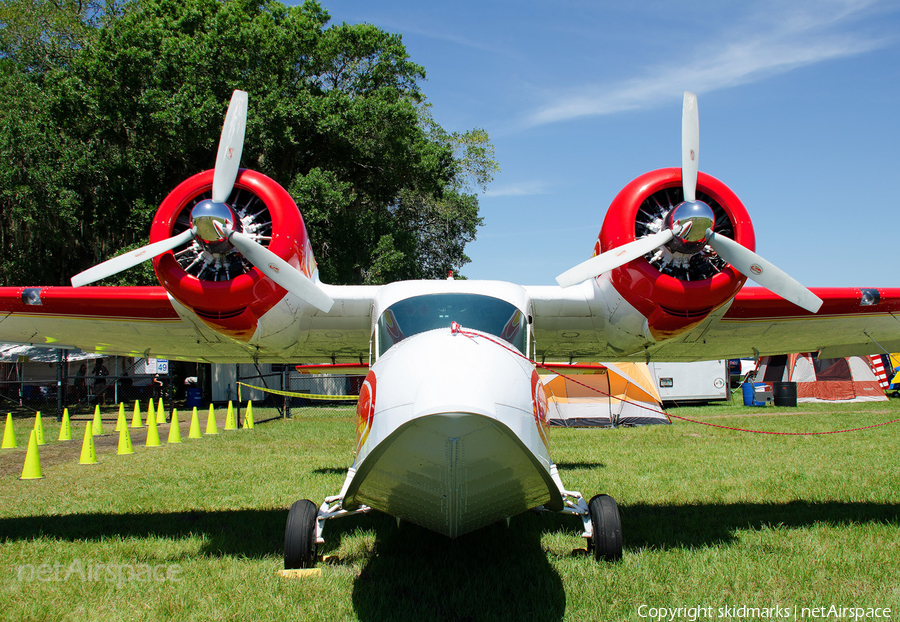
(799, 104)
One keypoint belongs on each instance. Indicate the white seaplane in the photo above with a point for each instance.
(451, 431)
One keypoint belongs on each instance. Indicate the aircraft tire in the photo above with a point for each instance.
(300, 535)
(607, 540)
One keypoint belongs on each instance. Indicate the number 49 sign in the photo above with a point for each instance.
(157, 366)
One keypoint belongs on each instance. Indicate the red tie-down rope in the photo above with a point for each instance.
(458, 330)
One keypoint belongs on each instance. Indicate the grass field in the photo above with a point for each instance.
(712, 518)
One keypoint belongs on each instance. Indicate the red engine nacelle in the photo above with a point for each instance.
(221, 287)
(674, 292)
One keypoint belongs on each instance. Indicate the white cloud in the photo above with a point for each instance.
(520, 189)
(782, 37)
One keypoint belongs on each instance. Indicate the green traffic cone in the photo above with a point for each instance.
(98, 422)
(65, 428)
(32, 467)
(9, 434)
(136, 417)
(248, 418)
(39, 429)
(194, 432)
(120, 420)
(125, 446)
(230, 423)
(211, 427)
(88, 452)
(152, 432)
(174, 430)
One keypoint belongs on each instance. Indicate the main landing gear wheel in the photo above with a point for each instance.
(300, 535)
(607, 540)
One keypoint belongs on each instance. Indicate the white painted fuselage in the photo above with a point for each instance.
(454, 441)
(451, 428)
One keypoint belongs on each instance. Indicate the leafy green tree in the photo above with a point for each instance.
(111, 105)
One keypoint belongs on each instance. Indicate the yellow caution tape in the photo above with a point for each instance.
(309, 396)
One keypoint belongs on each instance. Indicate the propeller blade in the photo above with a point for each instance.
(231, 144)
(130, 259)
(279, 270)
(613, 258)
(690, 146)
(763, 272)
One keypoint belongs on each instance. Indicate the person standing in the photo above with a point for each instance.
(100, 373)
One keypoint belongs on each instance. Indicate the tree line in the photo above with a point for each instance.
(108, 105)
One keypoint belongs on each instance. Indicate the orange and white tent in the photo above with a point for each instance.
(848, 379)
(614, 394)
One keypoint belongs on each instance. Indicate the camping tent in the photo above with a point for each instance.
(615, 394)
(848, 379)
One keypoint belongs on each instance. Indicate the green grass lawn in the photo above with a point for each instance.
(711, 518)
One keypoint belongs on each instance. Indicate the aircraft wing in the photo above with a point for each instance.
(576, 324)
(852, 321)
(581, 324)
(147, 321)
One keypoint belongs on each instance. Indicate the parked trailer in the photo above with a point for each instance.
(701, 381)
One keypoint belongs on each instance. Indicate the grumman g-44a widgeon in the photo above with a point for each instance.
(452, 416)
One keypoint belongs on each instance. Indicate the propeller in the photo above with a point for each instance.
(689, 228)
(690, 146)
(619, 256)
(231, 143)
(763, 272)
(213, 221)
(130, 259)
(277, 269)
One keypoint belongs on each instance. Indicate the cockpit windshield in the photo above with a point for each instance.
(474, 311)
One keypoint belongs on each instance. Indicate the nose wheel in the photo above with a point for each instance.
(300, 535)
(606, 541)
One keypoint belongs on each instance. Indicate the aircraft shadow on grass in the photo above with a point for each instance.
(709, 524)
(258, 533)
(493, 573)
(249, 533)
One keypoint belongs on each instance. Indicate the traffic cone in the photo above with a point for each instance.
(230, 423)
(151, 413)
(136, 417)
(174, 429)
(124, 439)
(65, 429)
(39, 429)
(9, 434)
(98, 423)
(152, 432)
(88, 453)
(194, 432)
(32, 466)
(120, 421)
(160, 413)
(211, 422)
(248, 418)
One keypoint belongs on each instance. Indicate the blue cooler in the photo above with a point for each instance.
(752, 393)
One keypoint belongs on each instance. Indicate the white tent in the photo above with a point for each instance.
(14, 353)
(615, 394)
(848, 379)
